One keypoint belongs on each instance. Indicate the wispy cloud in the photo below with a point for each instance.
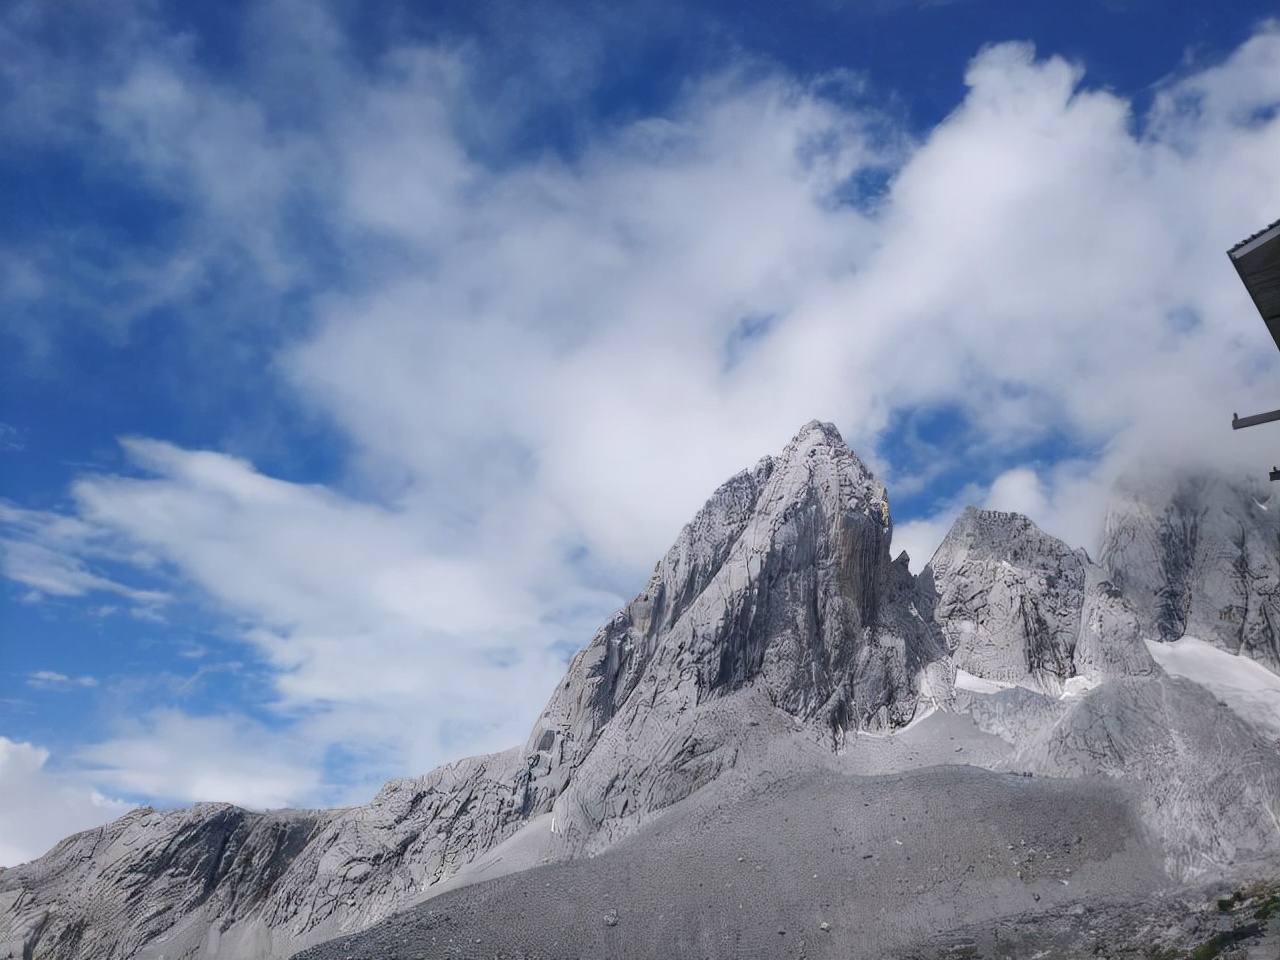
(174, 757)
(52, 680)
(54, 554)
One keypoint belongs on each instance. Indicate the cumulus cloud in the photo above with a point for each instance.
(41, 806)
(1039, 266)
(543, 367)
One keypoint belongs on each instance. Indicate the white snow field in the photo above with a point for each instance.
(1244, 685)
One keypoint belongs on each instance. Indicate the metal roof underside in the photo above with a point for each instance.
(1257, 260)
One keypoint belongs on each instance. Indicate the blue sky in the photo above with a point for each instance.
(359, 360)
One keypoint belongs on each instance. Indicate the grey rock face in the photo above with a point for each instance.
(1199, 555)
(111, 891)
(217, 881)
(1019, 606)
(783, 583)
(783, 579)
(1009, 599)
(1207, 783)
(1110, 643)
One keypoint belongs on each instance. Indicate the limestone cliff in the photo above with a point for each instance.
(1199, 554)
(1018, 606)
(781, 588)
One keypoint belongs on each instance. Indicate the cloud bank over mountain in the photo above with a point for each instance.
(523, 370)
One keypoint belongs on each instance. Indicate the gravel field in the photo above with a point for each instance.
(818, 865)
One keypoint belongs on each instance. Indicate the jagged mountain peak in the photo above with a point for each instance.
(1011, 536)
(815, 463)
(782, 576)
(818, 456)
(1010, 598)
(781, 588)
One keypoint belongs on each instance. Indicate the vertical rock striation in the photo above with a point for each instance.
(1199, 555)
(1018, 606)
(783, 586)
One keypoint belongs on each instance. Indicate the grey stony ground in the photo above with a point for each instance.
(1199, 923)
(821, 864)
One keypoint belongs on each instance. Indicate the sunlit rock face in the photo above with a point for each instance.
(1018, 606)
(1199, 555)
(214, 880)
(782, 582)
(1010, 599)
(778, 644)
(782, 586)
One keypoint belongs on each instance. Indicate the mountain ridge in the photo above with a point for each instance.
(778, 626)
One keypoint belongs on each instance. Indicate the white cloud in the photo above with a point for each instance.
(546, 367)
(172, 757)
(54, 554)
(52, 680)
(1034, 265)
(1018, 491)
(361, 616)
(42, 806)
(920, 538)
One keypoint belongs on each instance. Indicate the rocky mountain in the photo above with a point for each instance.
(783, 694)
(1197, 554)
(1020, 607)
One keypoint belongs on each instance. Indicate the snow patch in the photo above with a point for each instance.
(1244, 685)
(967, 681)
(915, 721)
(1077, 686)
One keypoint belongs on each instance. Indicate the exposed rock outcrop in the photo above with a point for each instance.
(782, 582)
(1199, 555)
(1018, 606)
(214, 880)
(781, 588)
(113, 891)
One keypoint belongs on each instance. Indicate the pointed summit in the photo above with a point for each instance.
(818, 431)
(781, 586)
(784, 576)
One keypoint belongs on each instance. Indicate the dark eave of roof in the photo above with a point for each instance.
(1257, 260)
